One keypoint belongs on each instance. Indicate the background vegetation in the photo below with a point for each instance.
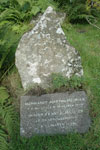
(15, 17)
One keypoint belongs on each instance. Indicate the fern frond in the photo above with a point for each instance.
(3, 143)
(9, 117)
(35, 10)
(10, 14)
(9, 121)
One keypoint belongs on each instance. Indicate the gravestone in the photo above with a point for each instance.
(44, 50)
(58, 113)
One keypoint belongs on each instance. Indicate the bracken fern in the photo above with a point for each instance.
(8, 120)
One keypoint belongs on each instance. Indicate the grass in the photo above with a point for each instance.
(86, 39)
(88, 45)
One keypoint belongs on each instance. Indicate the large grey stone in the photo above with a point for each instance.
(44, 50)
(50, 114)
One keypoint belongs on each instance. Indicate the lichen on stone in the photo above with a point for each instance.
(44, 50)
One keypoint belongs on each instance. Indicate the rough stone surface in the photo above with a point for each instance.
(44, 50)
(51, 114)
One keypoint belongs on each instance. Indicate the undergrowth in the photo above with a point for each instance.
(77, 11)
(8, 121)
(14, 21)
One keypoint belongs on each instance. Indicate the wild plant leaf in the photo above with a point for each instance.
(3, 94)
(35, 10)
(17, 28)
(2, 133)
(26, 7)
(21, 2)
(10, 14)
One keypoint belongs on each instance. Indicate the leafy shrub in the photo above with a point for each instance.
(59, 81)
(76, 11)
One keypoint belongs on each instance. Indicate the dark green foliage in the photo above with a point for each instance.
(78, 10)
(8, 44)
(62, 2)
(26, 7)
(8, 120)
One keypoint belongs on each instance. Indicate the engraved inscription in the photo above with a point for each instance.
(54, 113)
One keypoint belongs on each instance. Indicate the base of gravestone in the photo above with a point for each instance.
(58, 113)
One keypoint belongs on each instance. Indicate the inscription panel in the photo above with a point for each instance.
(57, 113)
